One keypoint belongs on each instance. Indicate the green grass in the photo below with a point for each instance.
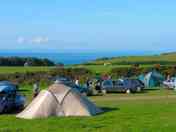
(138, 59)
(102, 68)
(23, 69)
(116, 62)
(126, 113)
(93, 68)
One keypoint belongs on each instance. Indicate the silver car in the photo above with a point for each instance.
(170, 84)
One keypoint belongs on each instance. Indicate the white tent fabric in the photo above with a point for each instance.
(59, 100)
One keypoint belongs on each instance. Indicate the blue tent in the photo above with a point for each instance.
(152, 79)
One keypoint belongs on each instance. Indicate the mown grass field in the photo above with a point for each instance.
(92, 68)
(138, 59)
(23, 69)
(151, 111)
(98, 65)
(102, 68)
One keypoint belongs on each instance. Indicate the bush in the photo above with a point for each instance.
(21, 61)
(31, 77)
(136, 71)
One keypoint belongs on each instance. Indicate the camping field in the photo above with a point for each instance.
(151, 111)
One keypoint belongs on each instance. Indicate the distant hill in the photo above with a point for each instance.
(163, 59)
(169, 53)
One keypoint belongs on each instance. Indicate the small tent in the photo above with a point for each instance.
(59, 100)
(151, 79)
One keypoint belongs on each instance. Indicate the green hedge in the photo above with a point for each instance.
(31, 77)
(136, 71)
(20, 61)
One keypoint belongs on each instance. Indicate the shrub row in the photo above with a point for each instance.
(31, 77)
(21, 61)
(136, 71)
(82, 74)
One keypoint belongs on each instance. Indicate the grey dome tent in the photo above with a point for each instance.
(59, 100)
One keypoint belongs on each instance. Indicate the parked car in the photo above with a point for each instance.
(81, 89)
(170, 84)
(10, 99)
(63, 80)
(126, 85)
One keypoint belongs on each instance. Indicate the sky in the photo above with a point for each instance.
(88, 25)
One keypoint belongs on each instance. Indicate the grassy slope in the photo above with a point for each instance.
(22, 69)
(100, 68)
(157, 58)
(127, 113)
(104, 69)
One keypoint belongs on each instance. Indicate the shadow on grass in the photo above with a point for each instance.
(108, 109)
(150, 89)
(91, 95)
(147, 90)
(13, 112)
(23, 90)
(142, 92)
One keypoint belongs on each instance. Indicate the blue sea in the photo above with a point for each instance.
(72, 58)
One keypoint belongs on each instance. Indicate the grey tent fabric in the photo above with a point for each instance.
(59, 100)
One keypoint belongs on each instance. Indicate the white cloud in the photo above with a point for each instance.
(33, 40)
(20, 40)
(39, 40)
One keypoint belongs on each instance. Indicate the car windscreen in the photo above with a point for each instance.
(141, 83)
(118, 83)
(107, 83)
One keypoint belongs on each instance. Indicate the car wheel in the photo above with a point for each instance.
(94, 92)
(128, 91)
(139, 89)
(104, 91)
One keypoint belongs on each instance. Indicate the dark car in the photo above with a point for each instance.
(134, 85)
(63, 80)
(122, 85)
(10, 99)
(81, 89)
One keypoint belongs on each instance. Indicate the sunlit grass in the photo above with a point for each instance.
(23, 69)
(125, 113)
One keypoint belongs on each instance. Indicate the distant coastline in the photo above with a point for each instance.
(73, 58)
